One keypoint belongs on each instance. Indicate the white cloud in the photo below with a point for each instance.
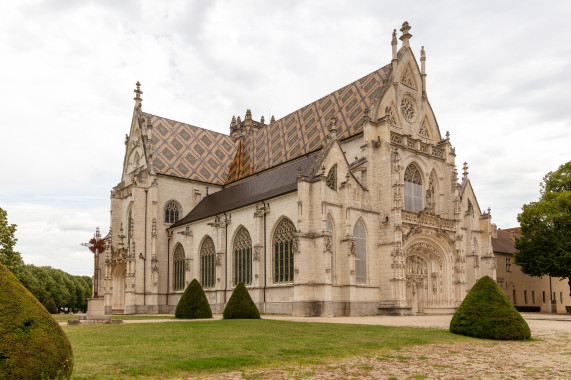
(497, 80)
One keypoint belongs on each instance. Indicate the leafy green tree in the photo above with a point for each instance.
(240, 305)
(193, 303)
(10, 258)
(544, 247)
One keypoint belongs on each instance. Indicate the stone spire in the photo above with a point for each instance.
(405, 34)
(138, 93)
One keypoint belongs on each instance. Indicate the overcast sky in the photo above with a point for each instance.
(499, 79)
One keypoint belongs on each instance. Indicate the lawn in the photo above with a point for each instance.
(177, 349)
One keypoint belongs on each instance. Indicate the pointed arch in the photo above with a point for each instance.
(207, 262)
(242, 256)
(283, 241)
(412, 188)
(424, 129)
(360, 236)
(391, 115)
(178, 268)
(407, 78)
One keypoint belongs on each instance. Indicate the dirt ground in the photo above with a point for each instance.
(547, 356)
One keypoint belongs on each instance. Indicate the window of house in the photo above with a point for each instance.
(544, 296)
(525, 296)
(508, 264)
(172, 210)
(242, 257)
(412, 189)
(283, 241)
(332, 248)
(360, 252)
(533, 297)
(178, 268)
(207, 263)
(554, 297)
(561, 297)
(331, 180)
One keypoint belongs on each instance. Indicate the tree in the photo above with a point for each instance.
(10, 258)
(544, 247)
(193, 303)
(240, 305)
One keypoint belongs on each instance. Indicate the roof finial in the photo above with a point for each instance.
(138, 93)
(272, 120)
(465, 173)
(262, 119)
(248, 115)
(333, 127)
(405, 34)
(394, 44)
(447, 134)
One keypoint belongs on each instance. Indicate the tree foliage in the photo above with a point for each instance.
(240, 305)
(193, 303)
(10, 258)
(32, 344)
(487, 313)
(544, 247)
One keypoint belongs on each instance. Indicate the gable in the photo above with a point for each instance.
(185, 151)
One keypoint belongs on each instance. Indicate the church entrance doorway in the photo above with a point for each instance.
(416, 283)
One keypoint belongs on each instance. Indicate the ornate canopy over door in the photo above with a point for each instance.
(427, 275)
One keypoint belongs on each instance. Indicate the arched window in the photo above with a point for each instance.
(178, 268)
(207, 263)
(242, 257)
(412, 189)
(360, 252)
(171, 212)
(283, 251)
(331, 232)
(129, 225)
(331, 180)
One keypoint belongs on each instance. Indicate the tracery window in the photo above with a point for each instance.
(178, 268)
(332, 247)
(207, 263)
(390, 116)
(242, 257)
(508, 264)
(407, 109)
(172, 210)
(331, 180)
(360, 252)
(412, 189)
(283, 251)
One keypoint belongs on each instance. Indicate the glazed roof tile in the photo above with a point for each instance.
(305, 130)
(186, 151)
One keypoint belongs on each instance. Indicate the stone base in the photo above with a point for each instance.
(96, 309)
(394, 310)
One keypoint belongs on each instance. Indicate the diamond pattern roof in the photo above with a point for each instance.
(185, 151)
(304, 130)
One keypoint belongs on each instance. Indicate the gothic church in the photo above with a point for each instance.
(350, 205)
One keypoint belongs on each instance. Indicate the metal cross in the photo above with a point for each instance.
(97, 246)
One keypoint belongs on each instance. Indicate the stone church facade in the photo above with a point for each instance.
(351, 205)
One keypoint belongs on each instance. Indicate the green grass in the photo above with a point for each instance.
(177, 349)
(66, 317)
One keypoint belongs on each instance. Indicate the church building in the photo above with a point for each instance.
(351, 205)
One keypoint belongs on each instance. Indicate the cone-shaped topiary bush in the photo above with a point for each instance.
(50, 306)
(240, 305)
(487, 313)
(193, 303)
(32, 344)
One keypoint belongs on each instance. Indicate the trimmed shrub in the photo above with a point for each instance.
(487, 313)
(32, 344)
(240, 305)
(51, 307)
(193, 303)
(528, 309)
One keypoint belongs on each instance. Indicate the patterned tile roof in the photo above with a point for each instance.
(185, 151)
(304, 130)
